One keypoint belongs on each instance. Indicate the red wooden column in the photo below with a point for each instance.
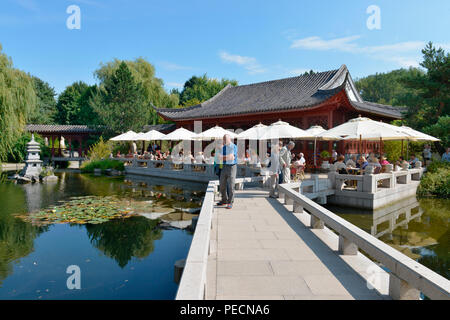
(330, 125)
(70, 146)
(53, 145)
(80, 148)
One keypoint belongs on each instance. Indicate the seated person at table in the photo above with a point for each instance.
(118, 155)
(351, 162)
(340, 166)
(413, 160)
(199, 158)
(383, 161)
(375, 163)
(362, 163)
(300, 161)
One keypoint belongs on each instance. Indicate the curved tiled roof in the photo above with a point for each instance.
(285, 94)
(59, 128)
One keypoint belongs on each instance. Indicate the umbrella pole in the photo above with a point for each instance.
(360, 145)
(402, 147)
(381, 147)
(407, 149)
(315, 152)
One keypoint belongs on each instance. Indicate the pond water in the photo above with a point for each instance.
(418, 228)
(129, 258)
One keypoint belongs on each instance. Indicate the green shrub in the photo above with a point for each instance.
(434, 166)
(100, 150)
(89, 166)
(325, 154)
(18, 151)
(436, 181)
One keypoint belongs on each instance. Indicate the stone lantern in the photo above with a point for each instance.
(33, 162)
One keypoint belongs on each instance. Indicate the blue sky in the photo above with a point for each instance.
(246, 40)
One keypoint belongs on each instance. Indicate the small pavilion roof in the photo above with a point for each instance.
(58, 128)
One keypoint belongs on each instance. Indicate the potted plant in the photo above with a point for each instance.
(325, 156)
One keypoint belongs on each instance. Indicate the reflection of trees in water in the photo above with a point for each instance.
(439, 259)
(125, 239)
(16, 241)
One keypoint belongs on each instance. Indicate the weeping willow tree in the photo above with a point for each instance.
(17, 102)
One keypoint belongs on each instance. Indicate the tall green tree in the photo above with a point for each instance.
(152, 87)
(433, 88)
(389, 88)
(45, 110)
(122, 102)
(74, 105)
(199, 89)
(17, 102)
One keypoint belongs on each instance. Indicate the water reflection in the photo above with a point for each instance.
(417, 228)
(163, 205)
(124, 240)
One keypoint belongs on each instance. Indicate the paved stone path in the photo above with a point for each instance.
(261, 250)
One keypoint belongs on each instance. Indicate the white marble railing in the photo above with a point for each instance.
(372, 183)
(407, 277)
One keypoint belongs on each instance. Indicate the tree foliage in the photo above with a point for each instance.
(45, 110)
(74, 105)
(425, 93)
(143, 74)
(122, 102)
(17, 102)
(199, 89)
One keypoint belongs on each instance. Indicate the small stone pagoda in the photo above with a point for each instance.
(33, 162)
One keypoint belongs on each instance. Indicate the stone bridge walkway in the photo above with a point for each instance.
(261, 250)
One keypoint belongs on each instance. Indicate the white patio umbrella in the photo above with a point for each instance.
(414, 134)
(283, 130)
(254, 133)
(366, 129)
(319, 133)
(180, 134)
(215, 133)
(152, 135)
(127, 136)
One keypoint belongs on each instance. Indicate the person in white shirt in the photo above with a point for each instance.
(334, 156)
(351, 162)
(285, 161)
(274, 170)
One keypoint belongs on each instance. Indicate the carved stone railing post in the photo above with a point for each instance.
(401, 290)
(347, 247)
(316, 223)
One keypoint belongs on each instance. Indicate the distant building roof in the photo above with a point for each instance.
(59, 128)
(300, 92)
(165, 127)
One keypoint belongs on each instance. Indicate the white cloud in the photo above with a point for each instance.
(405, 54)
(316, 43)
(249, 63)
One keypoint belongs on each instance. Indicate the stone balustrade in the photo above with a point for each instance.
(407, 276)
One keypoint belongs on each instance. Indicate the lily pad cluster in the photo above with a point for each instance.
(81, 210)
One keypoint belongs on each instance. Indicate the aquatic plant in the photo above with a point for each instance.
(81, 210)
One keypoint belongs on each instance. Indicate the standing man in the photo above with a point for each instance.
(285, 161)
(228, 173)
(274, 170)
(426, 155)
